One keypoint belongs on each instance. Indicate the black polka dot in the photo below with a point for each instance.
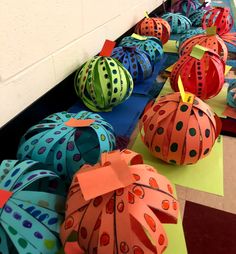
(184, 108)
(113, 100)
(200, 112)
(179, 125)
(192, 132)
(206, 151)
(106, 76)
(157, 149)
(160, 130)
(112, 64)
(114, 71)
(115, 80)
(192, 153)
(207, 133)
(174, 147)
(109, 93)
(109, 85)
(115, 90)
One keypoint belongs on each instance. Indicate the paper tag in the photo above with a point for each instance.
(107, 48)
(139, 37)
(186, 97)
(4, 196)
(227, 69)
(198, 52)
(170, 46)
(146, 14)
(211, 30)
(79, 122)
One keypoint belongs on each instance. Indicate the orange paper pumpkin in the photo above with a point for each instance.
(203, 77)
(213, 42)
(118, 206)
(178, 132)
(156, 27)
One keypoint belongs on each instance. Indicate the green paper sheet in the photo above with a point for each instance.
(170, 47)
(206, 175)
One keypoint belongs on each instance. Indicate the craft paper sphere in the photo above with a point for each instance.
(120, 220)
(189, 34)
(103, 83)
(204, 77)
(213, 42)
(156, 27)
(177, 132)
(32, 210)
(151, 45)
(185, 7)
(178, 23)
(219, 17)
(64, 146)
(196, 17)
(231, 95)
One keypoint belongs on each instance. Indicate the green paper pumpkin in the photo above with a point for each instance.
(32, 213)
(103, 83)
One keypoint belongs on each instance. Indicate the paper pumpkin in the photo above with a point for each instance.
(123, 212)
(178, 132)
(196, 17)
(156, 27)
(185, 7)
(31, 210)
(203, 77)
(213, 42)
(151, 45)
(103, 83)
(189, 34)
(178, 23)
(231, 95)
(136, 61)
(66, 141)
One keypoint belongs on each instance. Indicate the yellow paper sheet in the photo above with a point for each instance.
(170, 47)
(170, 68)
(206, 175)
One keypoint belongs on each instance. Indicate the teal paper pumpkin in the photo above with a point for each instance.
(103, 83)
(135, 60)
(32, 212)
(151, 45)
(66, 147)
(196, 17)
(231, 95)
(178, 23)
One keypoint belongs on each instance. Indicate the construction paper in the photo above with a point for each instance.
(185, 7)
(196, 17)
(227, 69)
(170, 68)
(139, 37)
(231, 95)
(198, 52)
(5, 195)
(146, 14)
(230, 112)
(211, 30)
(79, 123)
(92, 221)
(107, 48)
(186, 97)
(98, 83)
(206, 175)
(32, 215)
(170, 47)
(65, 149)
(189, 34)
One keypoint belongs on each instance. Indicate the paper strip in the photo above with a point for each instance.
(107, 48)
(79, 122)
(139, 37)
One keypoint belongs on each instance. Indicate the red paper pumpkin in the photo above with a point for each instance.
(213, 42)
(204, 77)
(178, 132)
(156, 27)
(118, 206)
(219, 17)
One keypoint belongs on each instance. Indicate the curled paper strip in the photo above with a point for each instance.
(189, 34)
(178, 23)
(156, 27)
(103, 83)
(231, 95)
(151, 45)
(32, 214)
(202, 73)
(185, 7)
(196, 17)
(178, 132)
(213, 42)
(136, 61)
(126, 213)
(66, 141)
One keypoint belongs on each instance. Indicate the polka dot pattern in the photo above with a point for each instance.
(63, 148)
(126, 207)
(176, 132)
(185, 7)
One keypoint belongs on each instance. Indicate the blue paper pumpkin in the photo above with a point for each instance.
(136, 61)
(231, 95)
(178, 23)
(196, 17)
(31, 212)
(66, 145)
(151, 45)
(190, 33)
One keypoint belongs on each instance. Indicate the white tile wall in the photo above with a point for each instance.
(42, 42)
